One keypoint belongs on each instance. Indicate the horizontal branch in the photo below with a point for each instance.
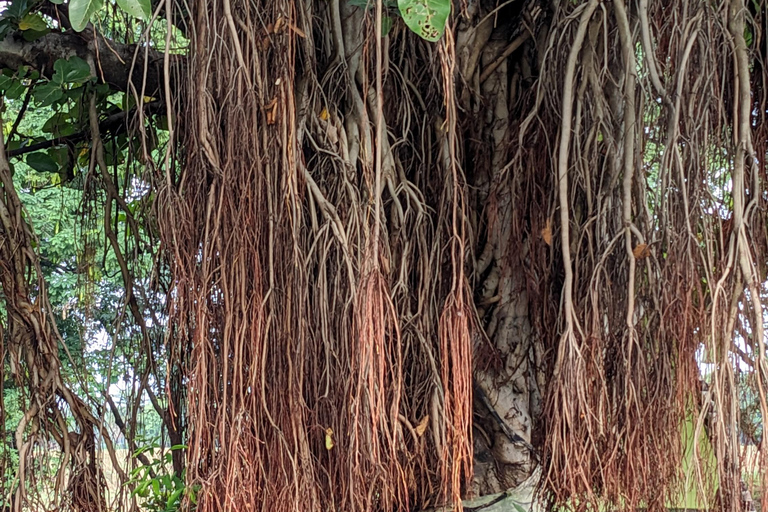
(110, 61)
(113, 124)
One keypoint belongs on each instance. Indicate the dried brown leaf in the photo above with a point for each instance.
(641, 251)
(546, 233)
(422, 426)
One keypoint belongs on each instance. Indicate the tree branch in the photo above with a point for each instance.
(110, 61)
(113, 124)
(121, 425)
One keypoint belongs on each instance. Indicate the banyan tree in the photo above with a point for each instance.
(382, 255)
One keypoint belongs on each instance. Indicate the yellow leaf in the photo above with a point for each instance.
(422, 426)
(32, 21)
(324, 114)
(279, 24)
(329, 444)
(546, 233)
(641, 251)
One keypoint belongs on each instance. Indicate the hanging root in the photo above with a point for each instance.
(657, 260)
(33, 353)
(330, 364)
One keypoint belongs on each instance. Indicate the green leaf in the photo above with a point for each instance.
(162, 123)
(17, 9)
(58, 125)
(155, 486)
(173, 498)
(6, 27)
(72, 70)
(41, 162)
(32, 21)
(141, 9)
(386, 26)
(13, 88)
(102, 90)
(60, 155)
(80, 12)
(141, 490)
(425, 17)
(48, 94)
(34, 35)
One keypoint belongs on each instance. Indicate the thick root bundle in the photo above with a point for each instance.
(310, 269)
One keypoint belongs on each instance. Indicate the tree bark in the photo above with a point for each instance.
(118, 65)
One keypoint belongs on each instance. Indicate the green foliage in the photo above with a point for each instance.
(9, 455)
(161, 490)
(32, 21)
(80, 12)
(425, 17)
(141, 9)
(42, 162)
(16, 10)
(71, 71)
(49, 183)
(11, 83)
(64, 202)
(12, 17)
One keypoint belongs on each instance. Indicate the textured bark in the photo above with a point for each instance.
(110, 61)
(508, 397)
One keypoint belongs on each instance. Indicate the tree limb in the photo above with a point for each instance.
(110, 61)
(121, 425)
(113, 124)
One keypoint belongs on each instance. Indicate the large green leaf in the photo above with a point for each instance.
(425, 17)
(6, 27)
(16, 9)
(11, 87)
(59, 125)
(41, 162)
(34, 35)
(173, 498)
(80, 12)
(32, 21)
(71, 70)
(141, 9)
(47, 94)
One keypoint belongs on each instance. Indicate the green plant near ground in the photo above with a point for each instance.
(156, 485)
